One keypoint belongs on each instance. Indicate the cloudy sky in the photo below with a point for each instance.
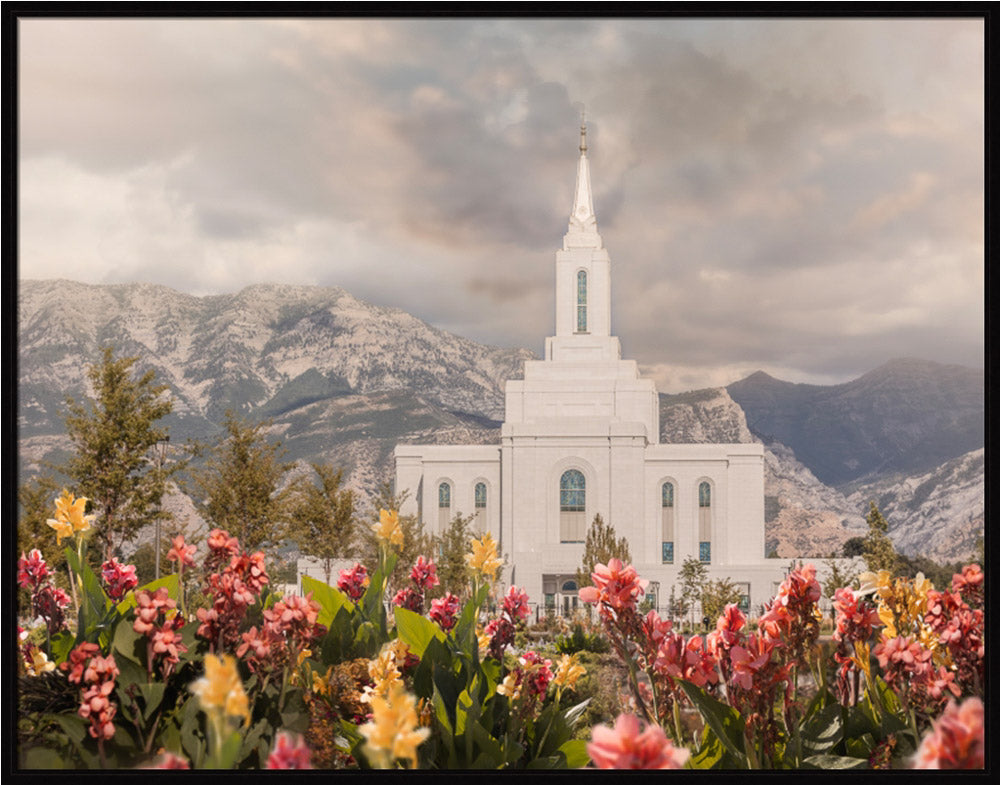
(802, 196)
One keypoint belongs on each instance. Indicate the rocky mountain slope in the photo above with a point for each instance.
(907, 416)
(344, 381)
(916, 506)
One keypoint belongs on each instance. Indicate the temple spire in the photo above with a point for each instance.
(582, 221)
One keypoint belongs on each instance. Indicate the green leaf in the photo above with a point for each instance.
(61, 644)
(416, 631)
(860, 746)
(834, 762)
(124, 643)
(45, 758)
(330, 600)
(724, 720)
(171, 582)
(823, 731)
(575, 751)
(711, 754)
(152, 695)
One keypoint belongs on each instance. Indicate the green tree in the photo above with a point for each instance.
(115, 436)
(36, 502)
(879, 553)
(853, 547)
(838, 579)
(323, 522)
(693, 574)
(453, 546)
(716, 595)
(416, 542)
(601, 546)
(240, 485)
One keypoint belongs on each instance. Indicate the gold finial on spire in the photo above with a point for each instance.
(583, 131)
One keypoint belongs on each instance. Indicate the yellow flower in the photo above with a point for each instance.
(568, 671)
(483, 558)
(388, 529)
(511, 687)
(321, 684)
(483, 639)
(393, 732)
(40, 663)
(383, 669)
(220, 689)
(862, 658)
(69, 518)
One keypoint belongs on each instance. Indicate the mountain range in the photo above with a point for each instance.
(343, 381)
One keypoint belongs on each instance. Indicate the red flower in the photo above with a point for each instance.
(628, 746)
(354, 581)
(969, 584)
(289, 753)
(119, 578)
(901, 657)
(424, 574)
(31, 571)
(515, 604)
(956, 739)
(409, 599)
(444, 610)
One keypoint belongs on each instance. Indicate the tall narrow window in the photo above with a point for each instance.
(581, 301)
(667, 521)
(572, 507)
(444, 506)
(705, 522)
(481, 521)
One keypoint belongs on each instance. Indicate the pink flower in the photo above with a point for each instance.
(424, 574)
(680, 659)
(119, 578)
(746, 662)
(898, 655)
(956, 739)
(168, 760)
(354, 581)
(628, 746)
(538, 673)
(289, 753)
(615, 585)
(969, 584)
(179, 552)
(444, 610)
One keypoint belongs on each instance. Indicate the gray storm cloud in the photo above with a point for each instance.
(803, 195)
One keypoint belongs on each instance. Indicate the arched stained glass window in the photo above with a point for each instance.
(572, 492)
(667, 522)
(572, 507)
(480, 495)
(581, 301)
(705, 522)
(444, 495)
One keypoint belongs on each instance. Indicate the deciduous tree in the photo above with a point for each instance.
(240, 484)
(453, 546)
(879, 553)
(114, 436)
(601, 546)
(323, 522)
(716, 595)
(693, 575)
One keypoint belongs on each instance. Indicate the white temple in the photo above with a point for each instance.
(581, 436)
